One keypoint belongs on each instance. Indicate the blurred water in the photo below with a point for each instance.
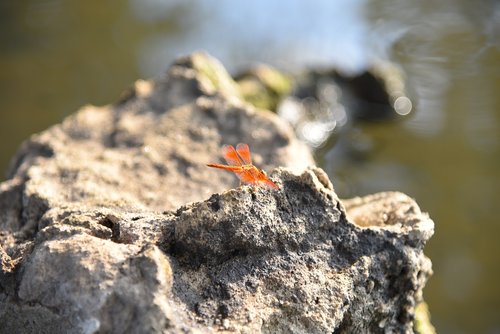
(56, 56)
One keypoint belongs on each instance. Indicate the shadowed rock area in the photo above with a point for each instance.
(110, 222)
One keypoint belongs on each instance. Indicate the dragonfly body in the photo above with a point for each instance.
(239, 161)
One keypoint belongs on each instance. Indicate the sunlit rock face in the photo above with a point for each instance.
(111, 222)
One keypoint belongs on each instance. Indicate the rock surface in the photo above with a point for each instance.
(105, 225)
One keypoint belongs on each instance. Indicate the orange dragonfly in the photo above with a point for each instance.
(239, 161)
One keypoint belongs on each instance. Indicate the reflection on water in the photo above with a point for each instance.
(56, 56)
(258, 31)
(447, 154)
(463, 274)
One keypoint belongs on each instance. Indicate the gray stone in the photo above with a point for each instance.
(111, 222)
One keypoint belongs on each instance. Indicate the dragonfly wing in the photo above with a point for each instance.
(231, 156)
(244, 152)
(263, 179)
(270, 183)
(246, 177)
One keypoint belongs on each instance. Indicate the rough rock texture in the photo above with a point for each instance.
(105, 225)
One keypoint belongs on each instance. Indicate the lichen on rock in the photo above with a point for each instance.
(111, 222)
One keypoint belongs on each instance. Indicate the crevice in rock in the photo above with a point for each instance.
(29, 151)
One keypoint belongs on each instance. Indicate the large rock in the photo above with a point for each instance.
(111, 222)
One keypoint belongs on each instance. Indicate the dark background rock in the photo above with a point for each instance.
(109, 223)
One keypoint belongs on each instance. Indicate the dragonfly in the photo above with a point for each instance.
(239, 161)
